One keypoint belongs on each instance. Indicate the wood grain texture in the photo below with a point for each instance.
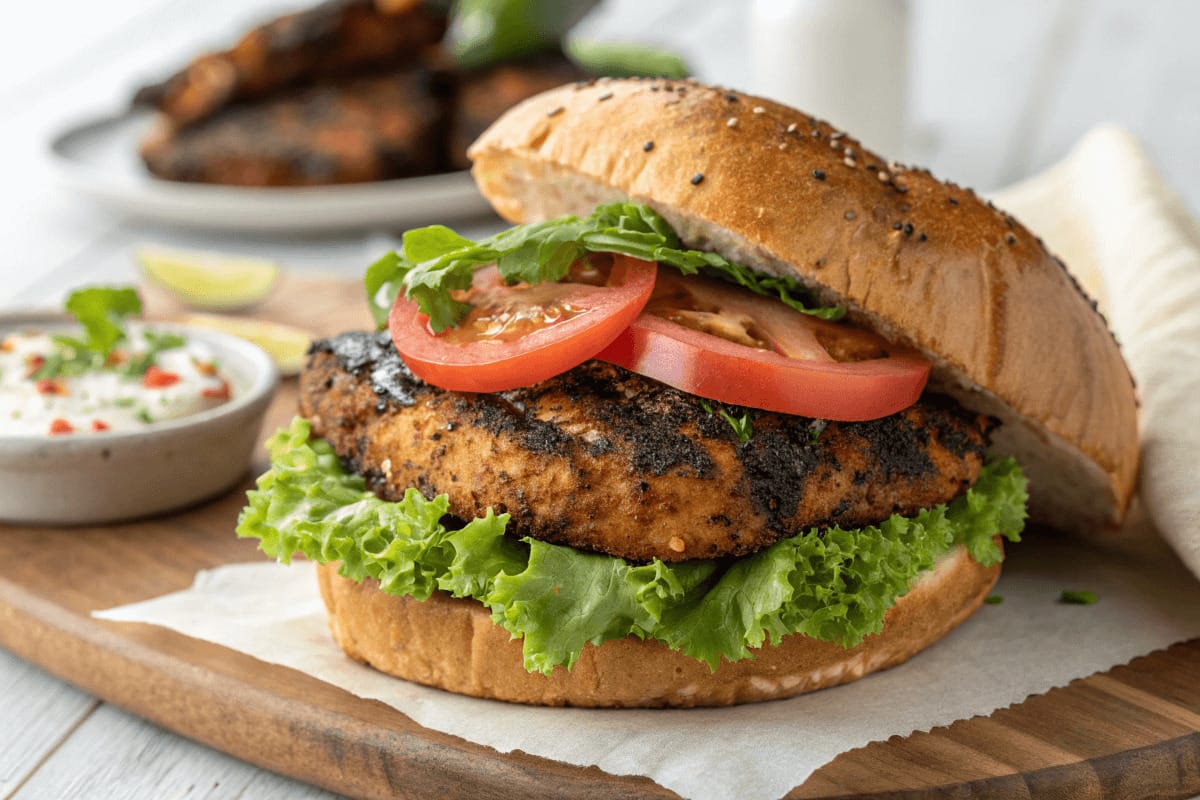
(115, 755)
(1132, 732)
(37, 713)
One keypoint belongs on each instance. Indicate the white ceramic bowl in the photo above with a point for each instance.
(106, 477)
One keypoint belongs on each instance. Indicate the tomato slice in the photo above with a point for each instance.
(518, 335)
(723, 343)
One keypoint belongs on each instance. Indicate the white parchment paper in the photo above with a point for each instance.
(1108, 212)
(1004, 653)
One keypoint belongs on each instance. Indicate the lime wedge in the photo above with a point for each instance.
(210, 281)
(285, 344)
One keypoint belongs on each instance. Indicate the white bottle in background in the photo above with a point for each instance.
(845, 61)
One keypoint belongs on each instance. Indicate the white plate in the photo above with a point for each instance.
(99, 159)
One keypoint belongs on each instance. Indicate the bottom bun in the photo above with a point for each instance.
(454, 645)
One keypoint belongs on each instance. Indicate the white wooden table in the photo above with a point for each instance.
(998, 91)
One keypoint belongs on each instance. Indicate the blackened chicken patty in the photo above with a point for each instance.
(602, 459)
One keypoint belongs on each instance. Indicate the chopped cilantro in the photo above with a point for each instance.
(71, 358)
(164, 341)
(743, 426)
(994, 599)
(1077, 597)
(156, 343)
(102, 312)
(51, 367)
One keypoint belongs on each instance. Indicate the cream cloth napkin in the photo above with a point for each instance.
(1106, 210)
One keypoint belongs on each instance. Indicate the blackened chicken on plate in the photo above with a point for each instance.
(349, 130)
(344, 92)
(335, 38)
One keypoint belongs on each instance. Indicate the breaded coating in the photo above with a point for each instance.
(337, 37)
(605, 460)
(345, 131)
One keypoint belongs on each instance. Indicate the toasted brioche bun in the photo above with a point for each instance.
(454, 645)
(923, 262)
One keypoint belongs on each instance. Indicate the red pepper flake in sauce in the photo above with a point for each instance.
(206, 368)
(156, 378)
(115, 358)
(99, 425)
(33, 363)
(49, 386)
(218, 393)
(60, 426)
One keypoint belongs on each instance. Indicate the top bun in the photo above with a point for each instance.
(923, 262)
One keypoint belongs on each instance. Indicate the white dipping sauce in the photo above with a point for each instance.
(184, 381)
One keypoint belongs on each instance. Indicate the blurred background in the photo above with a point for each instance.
(983, 93)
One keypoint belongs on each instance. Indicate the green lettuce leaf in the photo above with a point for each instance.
(833, 584)
(435, 261)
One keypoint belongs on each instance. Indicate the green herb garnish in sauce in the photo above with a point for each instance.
(155, 344)
(102, 312)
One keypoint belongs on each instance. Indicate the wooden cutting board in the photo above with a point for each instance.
(1131, 732)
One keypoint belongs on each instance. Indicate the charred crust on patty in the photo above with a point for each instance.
(604, 460)
(499, 416)
(646, 415)
(899, 445)
(358, 352)
(777, 464)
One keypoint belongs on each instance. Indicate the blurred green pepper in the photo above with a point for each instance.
(487, 31)
(625, 59)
